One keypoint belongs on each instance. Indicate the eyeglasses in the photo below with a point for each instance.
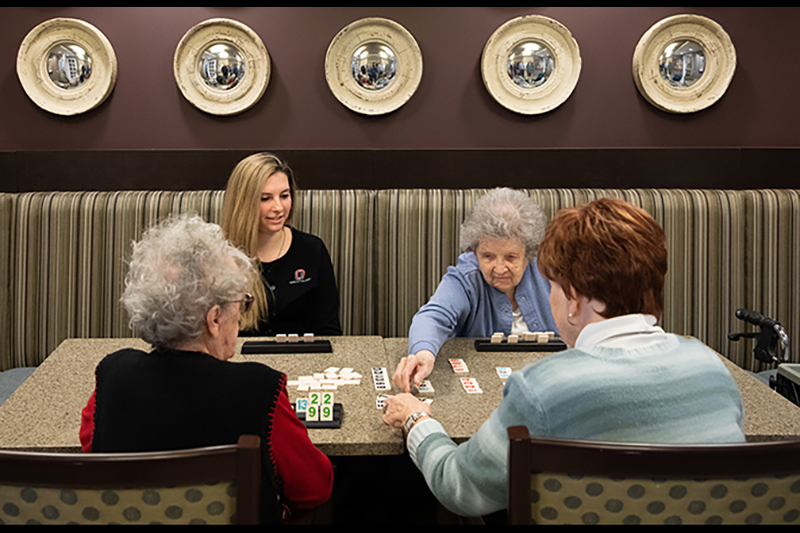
(245, 304)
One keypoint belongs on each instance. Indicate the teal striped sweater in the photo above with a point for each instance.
(675, 391)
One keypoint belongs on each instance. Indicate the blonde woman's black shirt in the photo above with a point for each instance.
(301, 291)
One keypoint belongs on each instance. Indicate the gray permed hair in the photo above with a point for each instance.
(179, 270)
(504, 214)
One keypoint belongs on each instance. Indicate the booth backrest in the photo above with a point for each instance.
(63, 257)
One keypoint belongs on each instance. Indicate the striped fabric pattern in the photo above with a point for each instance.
(417, 238)
(772, 276)
(343, 219)
(62, 257)
(6, 202)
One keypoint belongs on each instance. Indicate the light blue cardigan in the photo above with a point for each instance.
(675, 391)
(464, 305)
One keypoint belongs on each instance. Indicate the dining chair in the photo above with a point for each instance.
(211, 485)
(565, 481)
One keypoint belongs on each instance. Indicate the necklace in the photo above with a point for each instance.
(283, 239)
(267, 257)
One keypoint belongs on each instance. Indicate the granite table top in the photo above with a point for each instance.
(44, 413)
(768, 415)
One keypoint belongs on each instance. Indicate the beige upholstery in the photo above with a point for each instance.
(210, 485)
(576, 499)
(568, 481)
(345, 221)
(201, 504)
(6, 361)
(62, 257)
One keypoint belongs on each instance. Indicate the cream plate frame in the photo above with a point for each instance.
(345, 88)
(32, 72)
(558, 87)
(720, 64)
(247, 92)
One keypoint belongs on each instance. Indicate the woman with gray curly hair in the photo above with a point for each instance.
(495, 287)
(184, 293)
(181, 276)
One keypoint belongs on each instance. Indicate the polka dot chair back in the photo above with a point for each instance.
(554, 481)
(213, 485)
(192, 504)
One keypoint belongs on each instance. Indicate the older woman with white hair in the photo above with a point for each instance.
(624, 379)
(184, 294)
(495, 287)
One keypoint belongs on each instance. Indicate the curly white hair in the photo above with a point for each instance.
(504, 213)
(178, 271)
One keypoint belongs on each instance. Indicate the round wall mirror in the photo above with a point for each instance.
(684, 63)
(531, 64)
(66, 66)
(373, 66)
(222, 67)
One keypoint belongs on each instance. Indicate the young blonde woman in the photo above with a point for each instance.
(297, 293)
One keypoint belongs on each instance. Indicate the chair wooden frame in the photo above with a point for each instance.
(528, 455)
(240, 462)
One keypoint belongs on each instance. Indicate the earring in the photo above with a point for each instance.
(568, 320)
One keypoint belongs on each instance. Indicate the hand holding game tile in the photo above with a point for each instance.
(414, 367)
(398, 408)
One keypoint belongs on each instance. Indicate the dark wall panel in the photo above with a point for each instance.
(731, 168)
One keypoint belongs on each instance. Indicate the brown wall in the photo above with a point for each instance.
(450, 134)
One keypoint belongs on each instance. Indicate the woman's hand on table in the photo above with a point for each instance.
(398, 408)
(414, 367)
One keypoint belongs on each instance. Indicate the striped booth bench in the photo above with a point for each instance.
(63, 257)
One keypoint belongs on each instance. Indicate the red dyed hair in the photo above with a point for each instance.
(610, 251)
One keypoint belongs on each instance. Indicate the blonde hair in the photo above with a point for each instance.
(240, 214)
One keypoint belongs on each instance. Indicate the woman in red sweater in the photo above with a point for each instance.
(185, 295)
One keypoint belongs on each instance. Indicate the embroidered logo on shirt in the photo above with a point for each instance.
(299, 277)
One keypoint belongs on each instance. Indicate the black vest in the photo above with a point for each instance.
(170, 400)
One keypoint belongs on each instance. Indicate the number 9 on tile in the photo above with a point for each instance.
(312, 412)
(326, 406)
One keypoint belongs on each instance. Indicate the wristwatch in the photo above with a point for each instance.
(412, 419)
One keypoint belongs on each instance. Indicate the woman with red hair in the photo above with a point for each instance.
(605, 259)
(623, 380)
